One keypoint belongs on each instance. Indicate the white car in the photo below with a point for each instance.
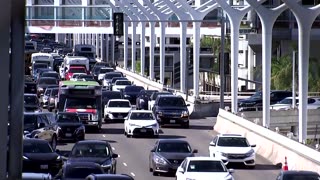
(203, 168)
(121, 84)
(233, 148)
(75, 76)
(103, 72)
(141, 122)
(286, 104)
(117, 109)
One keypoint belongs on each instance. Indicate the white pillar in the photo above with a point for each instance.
(86, 38)
(151, 52)
(162, 51)
(125, 45)
(133, 46)
(102, 47)
(143, 47)
(305, 18)
(113, 41)
(196, 58)
(250, 67)
(98, 46)
(107, 47)
(183, 57)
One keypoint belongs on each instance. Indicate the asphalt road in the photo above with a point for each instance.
(134, 152)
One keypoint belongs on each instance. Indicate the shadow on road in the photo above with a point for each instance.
(257, 167)
(201, 127)
(112, 131)
(162, 136)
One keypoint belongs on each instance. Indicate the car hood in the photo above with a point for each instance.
(234, 150)
(118, 109)
(41, 156)
(98, 160)
(81, 110)
(175, 155)
(143, 123)
(207, 175)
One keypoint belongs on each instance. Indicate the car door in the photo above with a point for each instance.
(183, 167)
(48, 129)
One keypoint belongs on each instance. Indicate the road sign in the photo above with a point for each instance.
(118, 24)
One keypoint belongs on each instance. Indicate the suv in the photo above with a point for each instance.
(39, 125)
(255, 101)
(171, 109)
(233, 148)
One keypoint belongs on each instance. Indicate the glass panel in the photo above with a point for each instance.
(40, 12)
(98, 13)
(69, 12)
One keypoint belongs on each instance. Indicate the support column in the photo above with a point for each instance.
(98, 46)
(133, 46)
(113, 41)
(143, 47)
(250, 67)
(162, 51)
(152, 45)
(196, 58)
(102, 47)
(107, 47)
(234, 64)
(85, 38)
(183, 56)
(125, 45)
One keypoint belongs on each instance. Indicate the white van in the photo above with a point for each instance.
(44, 58)
(73, 61)
(86, 50)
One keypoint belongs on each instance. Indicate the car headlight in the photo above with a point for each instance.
(159, 160)
(58, 158)
(94, 117)
(153, 125)
(40, 89)
(126, 95)
(224, 154)
(250, 153)
(184, 113)
(25, 158)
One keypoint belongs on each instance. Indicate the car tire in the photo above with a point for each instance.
(54, 142)
(49, 109)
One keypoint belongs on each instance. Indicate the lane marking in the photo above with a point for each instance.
(104, 136)
(132, 174)
(118, 155)
(125, 164)
(113, 148)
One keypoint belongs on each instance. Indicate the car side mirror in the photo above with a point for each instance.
(115, 155)
(180, 170)
(153, 150)
(41, 125)
(231, 170)
(253, 145)
(212, 144)
(195, 151)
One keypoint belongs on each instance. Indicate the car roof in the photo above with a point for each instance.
(141, 111)
(29, 94)
(203, 158)
(169, 95)
(172, 140)
(108, 176)
(84, 164)
(92, 142)
(230, 135)
(122, 100)
(300, 172)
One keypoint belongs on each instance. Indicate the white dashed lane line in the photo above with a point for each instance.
(132, 174)
(104, 136)
(113, 148)
(125, 164)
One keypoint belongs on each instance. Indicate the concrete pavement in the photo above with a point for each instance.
(134, 152)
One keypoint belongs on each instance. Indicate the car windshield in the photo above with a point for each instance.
(81, 172)
(84, 103)
(174, 147)
(54, 92)
(206, 166)
(233, 142)
(47, 81)
(30, 100)
(301, 177)
(117, 78)
(67, 118)
(30, 119)
(54, 75)
(156, 94)
(122, 82)
(124, 104)
(110, 76)
(47, 93)
(141, 116)
(105, 70)
(36, 147)
(133, 89)
(77, 70)
(90, 150)
(171, 101)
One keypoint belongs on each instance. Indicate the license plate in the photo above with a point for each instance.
(172, 121)
(44, 166)
(143, 130)
(68, 134)
(120, 116)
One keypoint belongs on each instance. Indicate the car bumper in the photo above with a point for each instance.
(247, 161)
(80, 135)
(42, 167)
(116, 116)
(169, 120)
(164, 168)
(138, 131)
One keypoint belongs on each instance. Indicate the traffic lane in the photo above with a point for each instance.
(135, 151)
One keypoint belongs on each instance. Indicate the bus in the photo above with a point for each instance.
(86, 50)
(84, 98)
(43, 58)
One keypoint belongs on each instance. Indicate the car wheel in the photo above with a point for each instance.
(50, 109)
(54, 142)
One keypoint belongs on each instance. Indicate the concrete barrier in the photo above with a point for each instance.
(270, 145)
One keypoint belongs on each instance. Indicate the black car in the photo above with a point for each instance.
(106, 82)
(78, 170)
(298, 175)
(83, 77)
(154, 96)
(171, 109)
(70, 126)
(30, 86)
(167, 155)
(52, 74)
(31, 103)
(39, 125)
(39, 157)
(44, 83)
(94, 151)
(254, 102)
(109, 177)
(143, 98)
(131, 93)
